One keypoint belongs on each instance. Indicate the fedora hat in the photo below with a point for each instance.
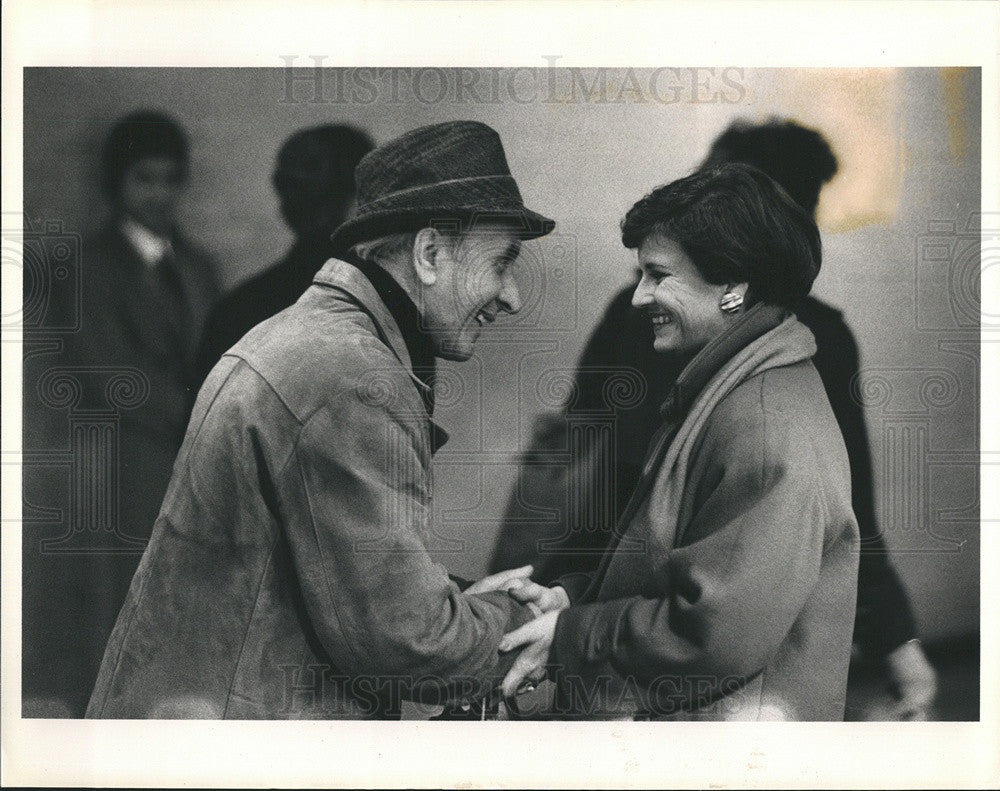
(440, 173)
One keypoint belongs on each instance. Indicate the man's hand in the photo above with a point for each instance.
(502, 580)
(545, 599)
(529, 668)
(912, 681)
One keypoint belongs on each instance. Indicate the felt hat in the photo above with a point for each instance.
(435, 175)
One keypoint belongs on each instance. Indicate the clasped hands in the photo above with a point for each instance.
(533, 638)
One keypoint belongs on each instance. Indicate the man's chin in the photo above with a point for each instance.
(455, 354)
(459, 348)
(664, 345)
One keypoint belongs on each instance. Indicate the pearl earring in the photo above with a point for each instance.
(731, 302)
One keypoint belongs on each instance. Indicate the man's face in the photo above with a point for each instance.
(150, 190)
(475, 284)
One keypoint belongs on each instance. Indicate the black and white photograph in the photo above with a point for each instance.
(590, 401)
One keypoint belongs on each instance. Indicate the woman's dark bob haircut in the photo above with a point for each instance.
(141, 135)
(737, 226)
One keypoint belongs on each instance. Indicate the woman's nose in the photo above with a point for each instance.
(643, 294)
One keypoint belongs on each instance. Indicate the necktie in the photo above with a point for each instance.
(176, 313)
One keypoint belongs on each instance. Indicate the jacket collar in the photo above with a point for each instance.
(756, 322)
(349, 279)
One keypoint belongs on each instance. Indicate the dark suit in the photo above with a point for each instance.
(105, 409)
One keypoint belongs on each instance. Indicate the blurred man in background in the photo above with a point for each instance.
(801, 161)
(145, 291)
(314, 179)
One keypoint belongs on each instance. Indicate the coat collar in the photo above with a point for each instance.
(350, 280)
(756, 322)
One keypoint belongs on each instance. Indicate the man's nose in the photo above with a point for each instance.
(643, 292)
(510, 295)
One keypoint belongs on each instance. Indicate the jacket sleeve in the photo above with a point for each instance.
(721, 602)
(355, 502)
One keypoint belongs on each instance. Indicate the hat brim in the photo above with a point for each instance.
(525, 223)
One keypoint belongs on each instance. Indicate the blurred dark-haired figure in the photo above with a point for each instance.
(145, 291)
(801, 161)
(314, 179)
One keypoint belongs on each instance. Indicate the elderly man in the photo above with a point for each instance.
(287, 575)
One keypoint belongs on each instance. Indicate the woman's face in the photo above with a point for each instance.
(683, 307)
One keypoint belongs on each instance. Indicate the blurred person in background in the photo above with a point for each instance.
(314, 179)
(145, 293)
(885, 634)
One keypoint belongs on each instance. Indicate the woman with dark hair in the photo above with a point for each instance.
(728, 590)
(801, 161)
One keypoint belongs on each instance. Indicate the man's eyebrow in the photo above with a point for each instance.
(512, 251)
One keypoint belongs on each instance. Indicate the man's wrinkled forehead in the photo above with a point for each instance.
(502, 238)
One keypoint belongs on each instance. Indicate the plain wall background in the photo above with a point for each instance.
(900, 234)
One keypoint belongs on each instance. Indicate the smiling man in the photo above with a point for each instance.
(288, 575)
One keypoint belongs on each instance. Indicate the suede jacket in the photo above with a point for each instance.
(288, 574)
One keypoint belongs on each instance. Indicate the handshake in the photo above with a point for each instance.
(534, 638)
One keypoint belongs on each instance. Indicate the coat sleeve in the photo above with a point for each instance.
(721, 603)
(354, 497)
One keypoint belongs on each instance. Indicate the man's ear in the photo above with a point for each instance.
(427, 248)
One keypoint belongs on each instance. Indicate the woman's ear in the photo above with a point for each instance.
(427, 246)
(738, 288)
(732, 300)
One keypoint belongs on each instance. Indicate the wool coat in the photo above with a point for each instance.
(729, 589)
(288, 575)
(621, 348)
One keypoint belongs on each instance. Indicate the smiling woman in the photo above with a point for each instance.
(682, 305)
(728, 590)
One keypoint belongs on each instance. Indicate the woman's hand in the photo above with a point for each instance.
(502, 580)
(529, 669)
(546, 599)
